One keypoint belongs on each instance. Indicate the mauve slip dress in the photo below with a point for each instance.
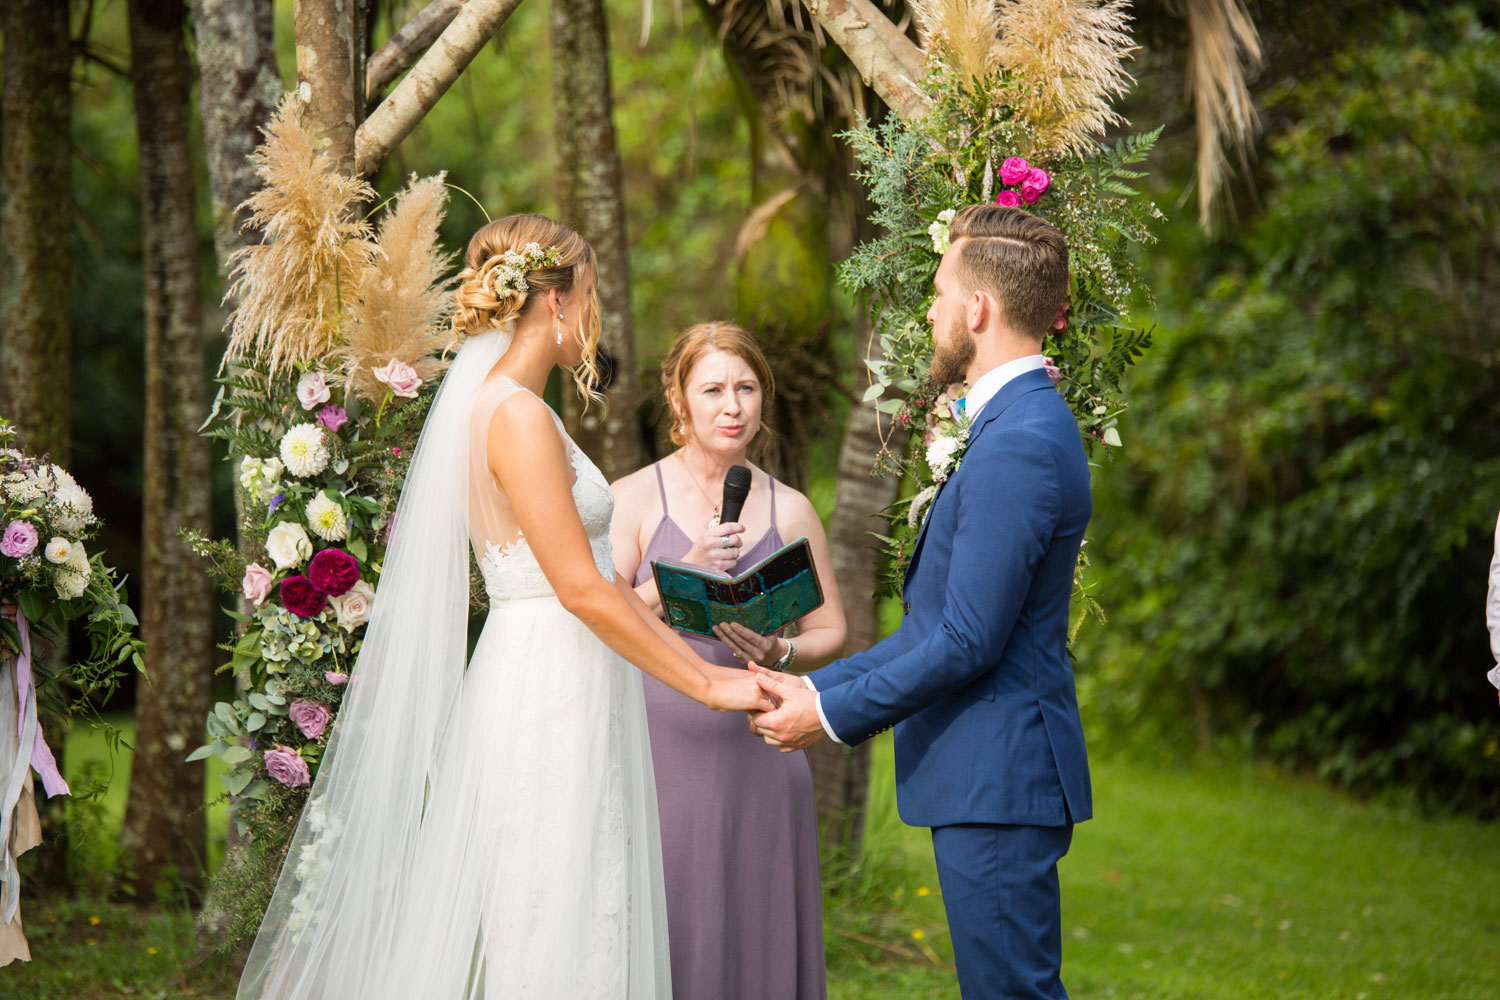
(739, 831)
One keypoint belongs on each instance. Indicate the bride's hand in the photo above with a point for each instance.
(739, 694)
(718, 547)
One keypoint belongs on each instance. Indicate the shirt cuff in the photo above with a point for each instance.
(807, 679)
(818, 703)
(1493, 675)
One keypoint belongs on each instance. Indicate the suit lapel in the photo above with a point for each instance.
(998, 404)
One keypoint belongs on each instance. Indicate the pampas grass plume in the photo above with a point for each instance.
(403, 299)
(969, 31)
(292, 288)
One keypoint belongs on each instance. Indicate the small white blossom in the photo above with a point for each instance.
(303, 451)
(940, 230)
(326, 518)
(58, 550)
(940, 455)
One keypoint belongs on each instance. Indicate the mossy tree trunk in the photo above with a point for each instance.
(36, 220)
(330, 72)
(164, 832)
(589, 192)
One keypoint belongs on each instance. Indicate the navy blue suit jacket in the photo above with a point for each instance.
(977, 680)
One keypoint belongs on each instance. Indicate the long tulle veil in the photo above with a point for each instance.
(341, 920)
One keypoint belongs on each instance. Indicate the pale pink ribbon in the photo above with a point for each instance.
(42, 760)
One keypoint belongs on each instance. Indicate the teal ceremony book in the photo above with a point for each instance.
(765, 598)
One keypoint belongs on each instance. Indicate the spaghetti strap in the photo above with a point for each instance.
(662, 487)
(773, 500)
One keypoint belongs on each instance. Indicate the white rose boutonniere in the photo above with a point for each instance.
(288, 545)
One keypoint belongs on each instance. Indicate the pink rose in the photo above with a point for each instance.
(1036, 182)
(1013, 170)
(1053, 372)
(401, 377)
(336, 678)
(1008, 198)
(310, 716)
(19, 540)
(312, 390)
(333, 417)
(287, 767)
(256, 586)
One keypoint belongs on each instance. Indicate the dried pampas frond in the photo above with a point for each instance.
(403, 301)
(969, 31)
(1223, 42)
(292, 288)
(1070, 56)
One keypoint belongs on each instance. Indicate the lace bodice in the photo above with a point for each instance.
(509, 567)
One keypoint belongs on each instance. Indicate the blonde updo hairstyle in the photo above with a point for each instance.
(690, 347)
(480, 308)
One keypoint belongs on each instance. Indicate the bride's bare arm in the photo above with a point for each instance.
(529, 460)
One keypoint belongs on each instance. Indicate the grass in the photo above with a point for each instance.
(1194, 882)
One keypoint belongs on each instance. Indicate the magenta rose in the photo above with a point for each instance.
(333, 417)
(19, 540)
(310, 716)
(333, 571)
(301, 597)
(287, 767)
(1008, 198)
(1036, 182)
(1013, 170)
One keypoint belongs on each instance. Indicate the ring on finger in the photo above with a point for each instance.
(728, 542)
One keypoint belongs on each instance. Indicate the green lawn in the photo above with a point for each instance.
(1193, 882)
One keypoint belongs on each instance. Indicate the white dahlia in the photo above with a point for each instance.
(326, 518)
(303, 451)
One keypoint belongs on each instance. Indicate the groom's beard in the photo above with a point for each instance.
(950, 362)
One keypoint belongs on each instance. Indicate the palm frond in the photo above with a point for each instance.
(292, 288)
(1223, 43)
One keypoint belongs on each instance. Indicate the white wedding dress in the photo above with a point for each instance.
(533, 866)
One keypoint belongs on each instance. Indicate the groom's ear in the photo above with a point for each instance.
(981, 309)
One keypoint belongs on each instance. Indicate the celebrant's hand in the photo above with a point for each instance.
(749, 646)
(718, 547)
(741, 694)
(795, 724)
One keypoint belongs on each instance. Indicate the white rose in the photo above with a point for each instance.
(73, 576)
(354, 605)
(58, 550)
(288, 545)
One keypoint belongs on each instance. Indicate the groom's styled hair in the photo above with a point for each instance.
(1017, 257)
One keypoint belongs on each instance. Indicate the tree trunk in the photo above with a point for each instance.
(36, 220)
(589, 193)
(164, 820)
(239, 88)
(330, 50)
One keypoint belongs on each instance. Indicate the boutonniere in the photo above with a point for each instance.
(945, 452)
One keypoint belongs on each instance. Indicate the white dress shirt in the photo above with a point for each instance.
(985, 388)
(1492, 609)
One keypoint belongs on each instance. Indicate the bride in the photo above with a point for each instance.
(491, 831)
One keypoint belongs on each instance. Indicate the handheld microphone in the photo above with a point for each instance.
(736, 489)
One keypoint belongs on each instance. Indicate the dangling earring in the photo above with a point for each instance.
(559, 327)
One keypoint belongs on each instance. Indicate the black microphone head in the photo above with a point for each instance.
(736, 489)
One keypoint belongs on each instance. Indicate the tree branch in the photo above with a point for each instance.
(890, 62)
(403, 48)
(398, 114)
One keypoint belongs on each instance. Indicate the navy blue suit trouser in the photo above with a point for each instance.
(1004, 910)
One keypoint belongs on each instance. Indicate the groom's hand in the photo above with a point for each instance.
(794, 725)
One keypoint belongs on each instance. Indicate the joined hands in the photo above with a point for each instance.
(793, 723)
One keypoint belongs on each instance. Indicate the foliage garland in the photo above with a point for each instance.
(918, 173)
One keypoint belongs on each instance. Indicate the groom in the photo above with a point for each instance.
(977, 682)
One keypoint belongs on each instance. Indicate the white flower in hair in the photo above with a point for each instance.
(507, 274)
